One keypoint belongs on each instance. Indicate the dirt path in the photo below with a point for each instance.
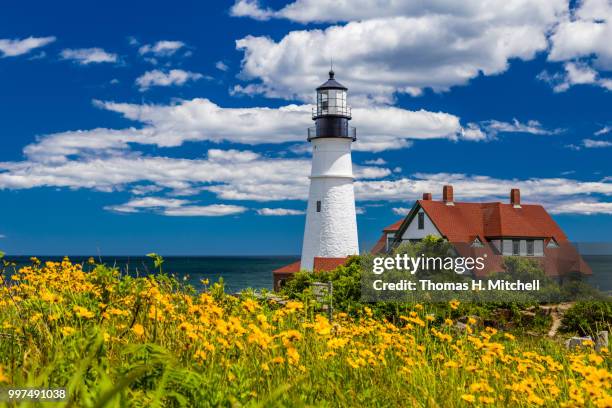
(556, 313)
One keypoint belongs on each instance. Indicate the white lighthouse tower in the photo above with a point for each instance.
(331, 222)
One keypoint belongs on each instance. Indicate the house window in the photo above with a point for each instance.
(318, 206)
(530, 246)
(421, 221)
(516, 247)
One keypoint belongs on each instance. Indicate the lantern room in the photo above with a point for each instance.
(331, 99)
(332, 112)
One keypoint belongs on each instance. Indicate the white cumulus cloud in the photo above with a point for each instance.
(553, 193)
(400, 211)
(15, 47)
(162, 48)
(533, 127)
(221, 66)
(176, 207)
(252, 9)
(332, 11)
(86, 56)
(139, 204)
(575, 73)
(213, 210)
(177, 77)
(591, 143)
(379, 128)
(379, 161)
(584, 207)
(237, 175)
(279, 211)
(582, 41)
(390, 47)
(585, 32)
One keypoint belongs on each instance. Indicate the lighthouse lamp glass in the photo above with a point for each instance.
(332, 102)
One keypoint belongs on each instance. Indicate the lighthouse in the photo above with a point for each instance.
(331, 222)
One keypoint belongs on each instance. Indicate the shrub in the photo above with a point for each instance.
(346, 280)
(587, 318)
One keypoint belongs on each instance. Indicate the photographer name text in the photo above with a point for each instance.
(475, 285)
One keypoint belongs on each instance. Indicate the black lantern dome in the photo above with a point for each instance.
(332, 113)
(332, 83)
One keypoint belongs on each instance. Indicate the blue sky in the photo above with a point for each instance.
(130, 127)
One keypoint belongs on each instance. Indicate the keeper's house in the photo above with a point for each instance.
(492, 229)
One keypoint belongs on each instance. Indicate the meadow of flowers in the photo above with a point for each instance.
(121, 341)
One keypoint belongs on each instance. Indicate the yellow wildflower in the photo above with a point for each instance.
(3, 377)
(83, 312)
(138, 330)
(595, 359)
(322, 325)
(534, 399)
(468, 397)
(293, 357)
(50, 297)
(250, 305)
(67, 330)
(292, 305)
(200, 355)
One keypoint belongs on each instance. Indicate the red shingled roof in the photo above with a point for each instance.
(394, 227)
(380, 245)
(321, 264)
(462, 222)
(327, 264)
(291, 268)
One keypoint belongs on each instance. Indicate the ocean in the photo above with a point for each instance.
(241, 272)
(238, 272)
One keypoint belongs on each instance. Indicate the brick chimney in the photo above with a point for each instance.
(515, 197)
(427, 196)
(447, 194)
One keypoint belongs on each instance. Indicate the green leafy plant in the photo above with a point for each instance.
(157, 260)
(587, 318)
